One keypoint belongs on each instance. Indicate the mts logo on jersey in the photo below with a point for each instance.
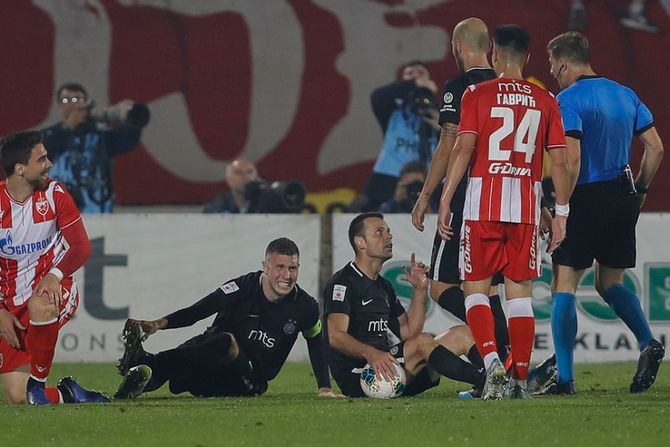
(515, 94)
(380, 325)
(263, 337)
(7, 247)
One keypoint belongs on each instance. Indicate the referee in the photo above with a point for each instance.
(600, 118)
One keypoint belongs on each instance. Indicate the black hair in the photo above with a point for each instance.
(419, 63)
(513, 39)
(16, 148)
(73, 86)
(282, 246)
(358, 223)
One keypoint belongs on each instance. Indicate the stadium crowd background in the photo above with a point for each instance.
(285, 85)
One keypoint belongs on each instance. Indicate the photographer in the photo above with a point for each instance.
(251, 194)
(239, 173)
(407, 190)
(82, 145)
(407, 113)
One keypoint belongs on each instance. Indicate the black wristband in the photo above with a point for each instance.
(640, 189)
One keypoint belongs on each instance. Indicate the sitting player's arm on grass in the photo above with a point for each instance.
(315, 347)
(339, 339)
(411, 323)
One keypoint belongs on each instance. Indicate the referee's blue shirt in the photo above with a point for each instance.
(604, 115)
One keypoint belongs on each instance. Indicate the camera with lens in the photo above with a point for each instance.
(422, 101)
(275, 197)
(123, 114)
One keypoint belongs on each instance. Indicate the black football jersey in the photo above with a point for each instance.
(372, 307)
(450, 112)
(266, 331)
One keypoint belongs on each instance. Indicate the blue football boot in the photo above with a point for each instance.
(73, 393)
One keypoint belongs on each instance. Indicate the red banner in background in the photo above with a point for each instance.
(286, 84)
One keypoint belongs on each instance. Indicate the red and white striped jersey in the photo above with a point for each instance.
(31, 242)
(512, 119)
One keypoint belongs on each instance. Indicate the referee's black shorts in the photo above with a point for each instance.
(444, 260)
(601, 226)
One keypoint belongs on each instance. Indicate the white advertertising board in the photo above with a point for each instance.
(147, 266)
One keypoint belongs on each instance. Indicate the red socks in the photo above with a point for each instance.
(41, 343)
(480, 321)
(53, 395)
(521, 323)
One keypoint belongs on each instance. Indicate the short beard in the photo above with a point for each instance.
(459, 62)
(39, 183)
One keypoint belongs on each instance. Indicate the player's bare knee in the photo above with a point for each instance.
(463, 338)
(41, 309)
(436, 289)
(15, 395)
(425, 343)
(457, 339)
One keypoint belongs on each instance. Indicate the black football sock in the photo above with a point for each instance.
(475, 357)
(203, 351)
(500, 327)
(157, 379)
(452, 366)
(453, 301)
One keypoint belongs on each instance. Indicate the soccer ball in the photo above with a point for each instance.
(379, 387)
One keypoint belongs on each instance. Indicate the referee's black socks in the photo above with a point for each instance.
(453, 301)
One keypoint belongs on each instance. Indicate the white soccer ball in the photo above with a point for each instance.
(379, 387)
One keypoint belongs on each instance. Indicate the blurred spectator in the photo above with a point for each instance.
(407, 113)
(407, 190)
(577, 16)
(635, 17)
(82, 145)
(238, 174)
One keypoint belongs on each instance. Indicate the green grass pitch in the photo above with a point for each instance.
(290, 414)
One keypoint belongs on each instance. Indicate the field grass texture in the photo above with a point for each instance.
(291, 414)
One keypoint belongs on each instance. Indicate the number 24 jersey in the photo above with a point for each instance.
(514, 121)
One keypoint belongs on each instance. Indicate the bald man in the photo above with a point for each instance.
(470, 44)
(239, 173)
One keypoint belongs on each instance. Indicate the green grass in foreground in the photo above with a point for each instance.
(290, 413)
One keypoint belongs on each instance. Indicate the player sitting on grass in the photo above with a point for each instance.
(258, 319)
(42, 243)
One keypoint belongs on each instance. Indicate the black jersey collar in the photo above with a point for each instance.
(356, 269)
(583, 77)
(478, 68)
